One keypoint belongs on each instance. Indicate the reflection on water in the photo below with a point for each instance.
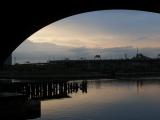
(51, 90)
(16, 108)
(82, 100)
(21, 100)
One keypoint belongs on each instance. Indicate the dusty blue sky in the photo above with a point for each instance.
(105, 29)
(110, 33)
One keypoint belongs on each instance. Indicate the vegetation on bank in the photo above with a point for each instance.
(84, 68)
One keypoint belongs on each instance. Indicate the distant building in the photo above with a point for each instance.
(140, 56)
(66, 59)
(97, 57)
(8, 60)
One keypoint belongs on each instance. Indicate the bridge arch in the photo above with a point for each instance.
(21, 26)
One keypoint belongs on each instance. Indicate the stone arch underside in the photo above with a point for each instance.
(21, 22)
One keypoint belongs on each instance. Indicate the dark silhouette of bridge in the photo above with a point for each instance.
(21, 100)
(44, 90)
(22, 19)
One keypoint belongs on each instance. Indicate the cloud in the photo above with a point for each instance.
(106, 28)
(110, 33)
(41, 52)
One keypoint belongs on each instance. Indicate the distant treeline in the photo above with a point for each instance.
(88, 66)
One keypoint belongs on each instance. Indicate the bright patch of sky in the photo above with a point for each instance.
(109, 33)
(103, 29)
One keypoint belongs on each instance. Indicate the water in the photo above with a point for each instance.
(110, 100)
(100, 100)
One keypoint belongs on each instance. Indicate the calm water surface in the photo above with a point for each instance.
(106, 99)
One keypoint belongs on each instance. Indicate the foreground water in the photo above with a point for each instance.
(107, 99)
(82, 100)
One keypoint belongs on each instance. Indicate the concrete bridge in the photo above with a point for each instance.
(19, 20)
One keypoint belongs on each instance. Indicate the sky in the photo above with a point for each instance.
(107, 29)
(106, 32)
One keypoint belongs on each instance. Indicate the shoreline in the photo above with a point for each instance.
(55, 77)
(66, 77)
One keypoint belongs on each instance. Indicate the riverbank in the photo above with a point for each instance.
(25, 76)
(52, 76)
